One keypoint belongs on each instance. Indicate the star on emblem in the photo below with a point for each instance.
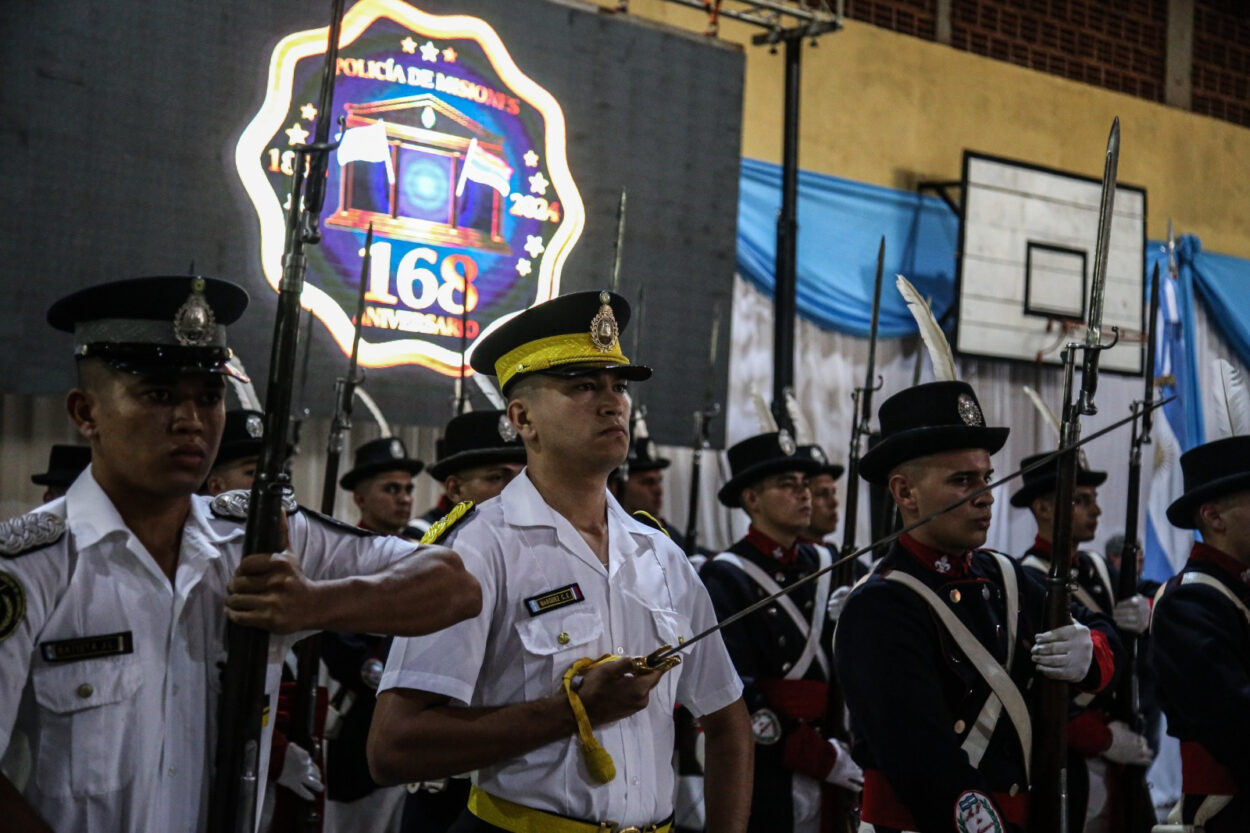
(531, 159)
(523, 267)
(449, 55)
(429, 52)
(308, 112)
(534, 244)
(409, 46)
(296, 134)
(538, 184)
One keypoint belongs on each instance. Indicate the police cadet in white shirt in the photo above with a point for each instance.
(566, 574)
(114, 598)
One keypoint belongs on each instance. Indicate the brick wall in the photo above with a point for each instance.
(909, 17)
(1221, 79)
(1118, 45)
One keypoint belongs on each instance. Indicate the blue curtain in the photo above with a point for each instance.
(840, 225)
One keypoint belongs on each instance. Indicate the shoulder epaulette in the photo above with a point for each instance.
(445, 524)
(27, 533)
(233, 504)
(645, 517)
(342, 526)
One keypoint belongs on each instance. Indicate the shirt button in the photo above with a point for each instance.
(85, 690)
(1014, 790)
(620, 650)
(781, 642)
(785, 666)
(955, 596)
(634, 780)
(172, 771)
(563, 639)
(177, 688)
(959, 727)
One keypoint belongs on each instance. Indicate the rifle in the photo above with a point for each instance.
(1048, 807)
(1139, 814)
(303, 729)
(862, 409)
(702, 419)
(241, 710)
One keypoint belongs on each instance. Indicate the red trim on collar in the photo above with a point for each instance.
(784, 556)
(1205, 553)
(952, 566)
(1043, 547)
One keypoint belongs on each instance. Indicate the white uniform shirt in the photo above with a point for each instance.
(520, 549)
(125, 742)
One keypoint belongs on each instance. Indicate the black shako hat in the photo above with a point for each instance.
(834, 470)
(243, 436)
(757, 457)
(644, 455)
(65, 463)
(1212, 471)
(377, 456)
(476, 438)
(928, 419)
(1043, 480)
(153, 325)
(571, 335)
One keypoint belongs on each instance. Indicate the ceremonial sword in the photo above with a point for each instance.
(665, 656)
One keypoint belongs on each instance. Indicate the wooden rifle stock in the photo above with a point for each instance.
(1138, 806)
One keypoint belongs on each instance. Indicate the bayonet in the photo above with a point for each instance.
(861, 409)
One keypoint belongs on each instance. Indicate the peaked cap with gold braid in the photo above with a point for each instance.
(571, 335)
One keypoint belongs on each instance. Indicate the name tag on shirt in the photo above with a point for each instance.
(553, 599)
(88, 647)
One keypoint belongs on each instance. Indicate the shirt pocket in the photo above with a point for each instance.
(671, 628)
(87, 738)
(551, 644)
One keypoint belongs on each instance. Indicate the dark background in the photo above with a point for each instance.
(119, 120)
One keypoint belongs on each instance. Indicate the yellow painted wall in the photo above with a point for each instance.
(890, 109)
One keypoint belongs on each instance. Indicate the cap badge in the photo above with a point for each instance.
(818, 455)
(786, 442)
(603, 328)
(397, 448)
(255, 427)
(969, 411)
(194, 321)
(507, 431)
(648, 449)
(1081, 460)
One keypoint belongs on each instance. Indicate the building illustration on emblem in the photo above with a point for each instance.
(450, 178)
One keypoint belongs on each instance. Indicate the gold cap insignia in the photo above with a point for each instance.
(603, 328)
(194, 321)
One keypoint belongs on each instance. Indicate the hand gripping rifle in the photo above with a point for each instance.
(1048, 807)
(241, 710)
(702, 420)
(862, 413)
(1139, 815)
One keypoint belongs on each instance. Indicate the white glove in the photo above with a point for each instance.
(845, 773)
(300, 774)
(1064, 653)
(1127, 747)
(1132, 614)
(837, 600)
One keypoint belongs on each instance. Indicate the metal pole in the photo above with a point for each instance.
(784, 300)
